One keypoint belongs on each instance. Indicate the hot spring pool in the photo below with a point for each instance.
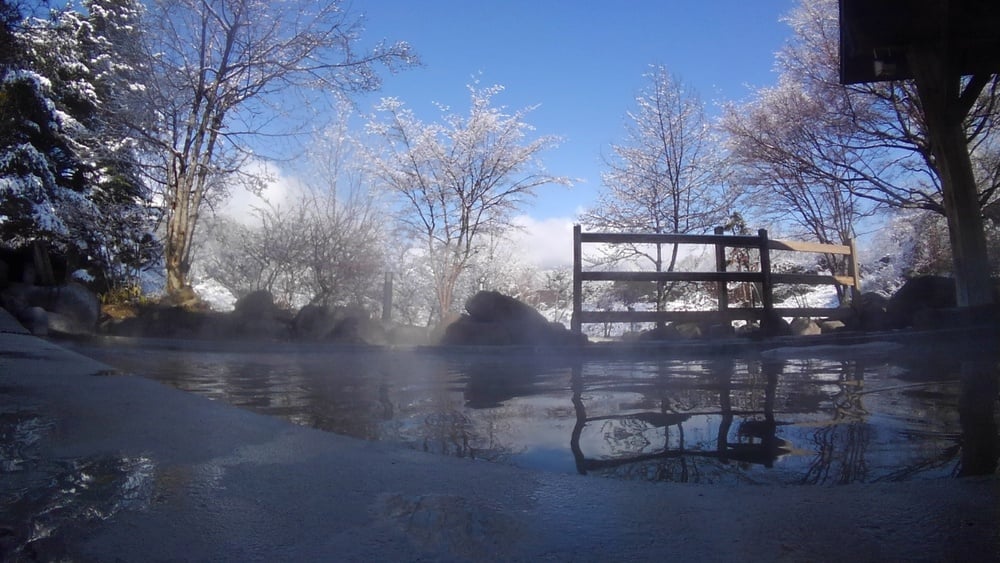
(760, 419)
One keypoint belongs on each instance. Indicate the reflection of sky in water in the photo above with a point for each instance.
(817, 421)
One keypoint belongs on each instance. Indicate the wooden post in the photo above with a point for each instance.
(766, 289)
(575, 321)
(720, 266)
(387, 298)
(855, 273)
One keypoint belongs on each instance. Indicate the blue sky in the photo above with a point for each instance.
(581, 61)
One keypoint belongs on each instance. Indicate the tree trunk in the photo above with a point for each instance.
(941, 96)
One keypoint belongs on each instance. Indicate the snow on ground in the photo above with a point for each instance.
(212, 292)
(818, 297)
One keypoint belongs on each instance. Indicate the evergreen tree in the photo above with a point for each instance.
(67, 175)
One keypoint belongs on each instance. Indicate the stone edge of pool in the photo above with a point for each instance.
(219, 483)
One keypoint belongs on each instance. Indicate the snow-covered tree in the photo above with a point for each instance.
(219, 68)
(458, 182)
(69, 177)
(666, 176)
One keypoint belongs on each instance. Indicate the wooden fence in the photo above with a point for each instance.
(765, 278)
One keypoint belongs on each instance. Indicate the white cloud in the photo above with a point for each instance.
(544, 243)
(278, 190)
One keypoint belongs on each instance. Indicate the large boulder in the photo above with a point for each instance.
(871, 312)
(917, 296)
(346, 325)
(70, 309)
(353, 325)
(73, 309)
(312, 322)
(494, 319)
(493, 306)
(804, 326)
(255, 315)
(672, 331)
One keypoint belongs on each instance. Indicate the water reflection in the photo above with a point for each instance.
(652, 437)
(980, 444)
(48, 502)
(720, 420)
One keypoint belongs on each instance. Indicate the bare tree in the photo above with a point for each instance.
(892, 154)
(792, 160)
(317, 249)
(218, 68)
(323, 245)
(455, 182)
(667, 176)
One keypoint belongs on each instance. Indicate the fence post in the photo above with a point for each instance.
(853, 271)
(766, 289)
(720, 266)
(576, 323)
(387, 298)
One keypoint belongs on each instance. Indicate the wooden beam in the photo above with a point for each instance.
(640, 238)
(754, 277)
(813, 279)
(817, 247)
(731, 314)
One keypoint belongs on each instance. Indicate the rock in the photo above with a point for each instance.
(720, 330)
(831, 326)
(688, 330)
(437, 334)
(673, 331)
(871, 312)
(804, 326)
(775, 326)
(35, 319)
(74, 310)
(357, 327)
(255, 305)
(492, 306)
(919, 294)
(256, 316)
(16, 297)
(158, 321)
(495, 319)
(70, 308)
(467, 331)
(312, 322)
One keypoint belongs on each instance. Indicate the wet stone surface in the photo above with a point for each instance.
(448, 523)
(49, 502)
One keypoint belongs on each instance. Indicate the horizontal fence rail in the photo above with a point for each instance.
(765, 277)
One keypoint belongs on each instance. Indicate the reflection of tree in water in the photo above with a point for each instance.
(840, 454)
(457, 434)
(841, 445)
(471, 424)
(977, 407)
(976, 444)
